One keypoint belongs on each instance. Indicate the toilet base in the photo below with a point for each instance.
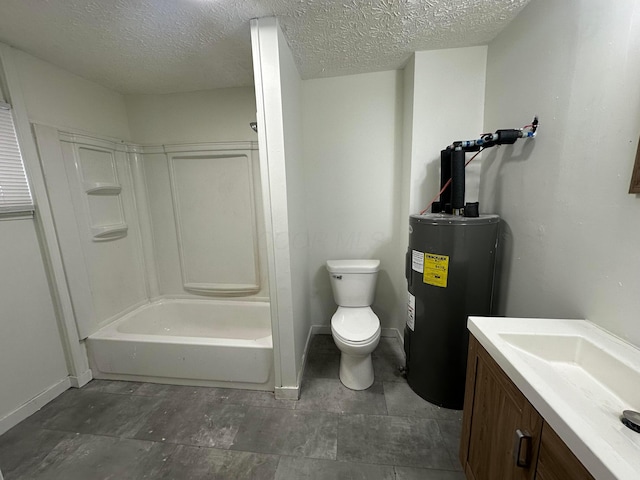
(356, 371)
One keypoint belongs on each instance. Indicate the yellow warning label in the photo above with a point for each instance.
(436, 270)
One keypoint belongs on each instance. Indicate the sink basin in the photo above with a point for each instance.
(580, 378)
(582, 363)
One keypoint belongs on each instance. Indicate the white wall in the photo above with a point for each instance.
(297, 191)
(32, 358)
(33, 365)
(31, 354)
(448, 105)
(372, 157)
(352, 153)
(572, 230)
(58, 98)
(220, 115)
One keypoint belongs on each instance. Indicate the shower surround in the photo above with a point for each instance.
(164, 253)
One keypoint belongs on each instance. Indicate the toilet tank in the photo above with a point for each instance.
(353, 281)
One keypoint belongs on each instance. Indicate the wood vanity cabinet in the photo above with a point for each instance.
(503, 436)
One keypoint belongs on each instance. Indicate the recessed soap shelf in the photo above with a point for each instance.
(109, 232)
(102, 188)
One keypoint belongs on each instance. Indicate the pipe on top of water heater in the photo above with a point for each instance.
(452, 165)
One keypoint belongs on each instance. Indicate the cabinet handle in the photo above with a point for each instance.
(518, 450)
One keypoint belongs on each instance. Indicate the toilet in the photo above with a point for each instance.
(354, 326)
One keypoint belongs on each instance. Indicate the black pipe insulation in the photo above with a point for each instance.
(457, 179)
(445, 176)
(508, 137)
(452, 164)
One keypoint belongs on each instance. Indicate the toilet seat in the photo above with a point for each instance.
(349, 343)
(355, 326)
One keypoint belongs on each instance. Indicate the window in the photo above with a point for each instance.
(15, 196)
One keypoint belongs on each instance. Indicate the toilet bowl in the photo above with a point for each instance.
(354, 326)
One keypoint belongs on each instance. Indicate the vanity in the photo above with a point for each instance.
(543, 401)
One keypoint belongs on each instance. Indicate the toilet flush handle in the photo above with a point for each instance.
(337, 277)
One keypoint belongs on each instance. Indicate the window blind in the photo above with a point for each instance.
(15, 196)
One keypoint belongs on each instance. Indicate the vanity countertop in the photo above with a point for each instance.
(579, 378)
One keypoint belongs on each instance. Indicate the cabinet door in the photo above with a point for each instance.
(501, 429)
(556, 461)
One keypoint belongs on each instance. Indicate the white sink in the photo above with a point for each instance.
(580, 378)
(582, 363)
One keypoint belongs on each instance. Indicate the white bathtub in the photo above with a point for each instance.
(192, 342)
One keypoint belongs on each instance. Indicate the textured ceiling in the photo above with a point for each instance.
(161, 46)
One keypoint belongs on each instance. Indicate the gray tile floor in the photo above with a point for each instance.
(126, 430)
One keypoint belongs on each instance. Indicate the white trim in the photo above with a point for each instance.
(22, 215)
(326, 330)
(67, 233)
(287, 393)
(83, 133)
(399, 336)
(305, 355)
(205, 147)
(265, 184)
(81, 380)
(92, 141)
(134, 148)
(390, 333)
(191, 147)
(321, 329)
(32, 406)
(148, 149)
(75, 354)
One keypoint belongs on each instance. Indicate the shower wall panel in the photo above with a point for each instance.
(204, 202)
(91, 192)
(215, 221)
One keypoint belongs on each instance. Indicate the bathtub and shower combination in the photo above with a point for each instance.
(195, 342)
(164, 257)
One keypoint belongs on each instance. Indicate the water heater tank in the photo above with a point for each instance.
(450, 273)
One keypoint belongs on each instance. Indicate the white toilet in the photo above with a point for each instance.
(354, 326)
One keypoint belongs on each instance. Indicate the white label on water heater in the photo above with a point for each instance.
(411, 312)
(417, 261)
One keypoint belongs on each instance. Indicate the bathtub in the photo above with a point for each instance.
(189, 342)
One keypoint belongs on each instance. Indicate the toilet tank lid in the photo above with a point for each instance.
(353, 266)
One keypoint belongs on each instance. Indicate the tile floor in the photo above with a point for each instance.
(125, 430)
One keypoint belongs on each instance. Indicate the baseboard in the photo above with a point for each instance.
(326, 330)
(293, 393)
(390, 332)
(399, 335)
(305, 355)
(81, 380)
(32, 406)
(287, 393)
(321, 329)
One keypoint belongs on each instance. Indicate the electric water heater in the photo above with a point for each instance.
(450, 274)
